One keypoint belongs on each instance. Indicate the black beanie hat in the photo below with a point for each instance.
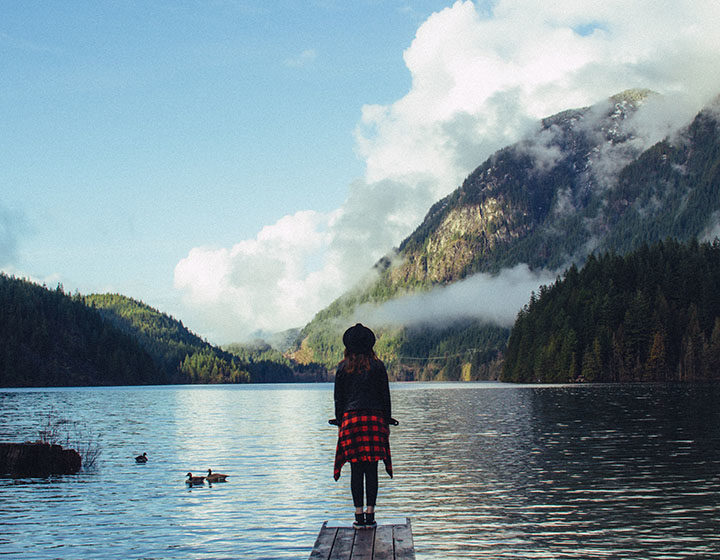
(359, 339)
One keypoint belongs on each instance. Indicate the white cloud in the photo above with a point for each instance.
(303, 59)
(263, 283)
(479, 82)
(51, 280)
(494, 299)
(12, 226)
(712, 230)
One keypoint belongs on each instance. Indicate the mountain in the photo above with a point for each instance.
(651, 315)
(50, 338)
(268, 364)
(585, 181)
(182, 355)
(187, 358)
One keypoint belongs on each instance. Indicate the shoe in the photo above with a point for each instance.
(359, 522)
(370, 521)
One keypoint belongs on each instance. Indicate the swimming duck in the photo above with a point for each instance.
(215, 477)
(194, 480)
(141, 458)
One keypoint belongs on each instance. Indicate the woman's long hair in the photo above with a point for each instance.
(359, 362)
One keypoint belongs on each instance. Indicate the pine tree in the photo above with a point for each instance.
(656, 368)
(712, 353)
(693, 343)
(592, 363)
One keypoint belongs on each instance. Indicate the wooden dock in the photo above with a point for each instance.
(388, 541)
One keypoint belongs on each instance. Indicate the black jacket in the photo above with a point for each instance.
(367, 390)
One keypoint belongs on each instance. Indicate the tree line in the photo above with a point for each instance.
(50, 338)
(651, 315)
(181, 354)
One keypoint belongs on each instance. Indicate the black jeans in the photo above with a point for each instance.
(367, 472)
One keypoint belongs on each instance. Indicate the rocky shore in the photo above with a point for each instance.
(37, 460)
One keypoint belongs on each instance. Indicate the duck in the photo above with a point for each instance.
(215, 477)
(141, 458)
(194, 480)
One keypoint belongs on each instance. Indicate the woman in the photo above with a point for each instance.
(362, 410)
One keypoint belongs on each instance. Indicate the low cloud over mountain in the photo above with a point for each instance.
(493, 299)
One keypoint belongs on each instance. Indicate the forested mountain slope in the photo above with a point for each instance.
(49, 338)
(583, 182)
(652, 315)
(182, 355)
(187, 358)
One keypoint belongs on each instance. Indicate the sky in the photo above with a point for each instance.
(240, 164)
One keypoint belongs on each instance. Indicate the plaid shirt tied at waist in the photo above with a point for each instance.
(363, 436)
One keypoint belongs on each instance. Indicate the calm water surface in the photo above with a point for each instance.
(484, 470)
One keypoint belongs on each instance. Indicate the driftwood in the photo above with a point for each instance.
(37, 460)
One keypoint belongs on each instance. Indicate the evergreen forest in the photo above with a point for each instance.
(182, 355)
(651, 315)
(49, 338)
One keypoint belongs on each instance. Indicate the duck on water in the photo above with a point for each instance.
(194, 480)
(215, 477)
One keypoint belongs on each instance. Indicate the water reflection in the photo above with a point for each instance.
(483, 470)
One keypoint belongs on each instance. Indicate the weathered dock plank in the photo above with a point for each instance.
(384, 549)
(363, 544)
(389, 541)
(403, 541)
(343, 545)
(323, 543)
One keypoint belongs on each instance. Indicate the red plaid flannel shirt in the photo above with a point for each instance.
(363, 436)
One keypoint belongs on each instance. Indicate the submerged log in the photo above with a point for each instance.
(37, 460)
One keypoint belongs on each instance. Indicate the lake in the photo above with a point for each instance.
(485, 470)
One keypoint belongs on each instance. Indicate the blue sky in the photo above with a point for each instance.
(240, 164)
(133, 131)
